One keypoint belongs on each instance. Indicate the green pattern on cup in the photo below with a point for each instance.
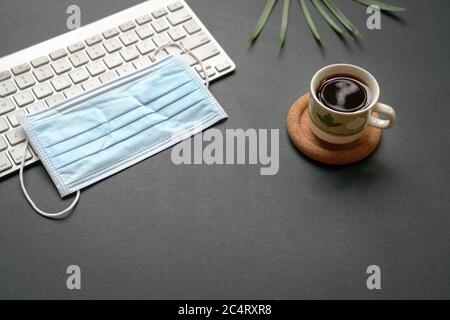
(328, 120)
(336, 123)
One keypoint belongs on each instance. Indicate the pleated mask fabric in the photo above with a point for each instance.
(93, 136)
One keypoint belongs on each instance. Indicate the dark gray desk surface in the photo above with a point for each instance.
(194, 232)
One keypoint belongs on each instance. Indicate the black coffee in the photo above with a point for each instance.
(344, 93)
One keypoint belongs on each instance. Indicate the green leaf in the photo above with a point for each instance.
(328, 120)
(263, 19)
(310, 21)
(284, 22)
(382, 5)
(327, 17)
(335, 124)
(319, 116)
(342, 18)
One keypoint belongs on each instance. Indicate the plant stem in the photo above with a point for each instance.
(382, 5)
(310, 21)
(263, 19)
(284, 22)
(342, 18)
(327, 17)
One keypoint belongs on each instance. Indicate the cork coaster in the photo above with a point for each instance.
(306, 141)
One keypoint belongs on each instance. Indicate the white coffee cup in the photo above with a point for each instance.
(344, 127)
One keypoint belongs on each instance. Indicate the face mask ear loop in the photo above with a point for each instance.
(57, 215)
(182, 48)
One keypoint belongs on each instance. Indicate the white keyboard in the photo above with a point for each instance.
(48, 73)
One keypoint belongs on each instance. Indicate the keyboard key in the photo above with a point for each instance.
(36, 107)
(43, 73)
(25, 80)
(76, 47)
(161, 54)
(78, 76)
(13, 117)
(3, 125)
(3, 144)
(112, 61)
(179, 17)
(24, 67)
(196, 41)
(6, 105)
(5, 164)
(129, 54)
(190, 60)
(160, 25)
(146, 46)
(112, 45)
(145, 32)
(174, 50)
(94, 40)
(96, 68)
(177, 33)
(143, 19)
(7, 88)
(159, 13)
(42, 91)
(58, 54)
(200, 69)
(23, 98)
(223, 66)
(161, 39)
(109, 76)
(191, 27)
(126, 68)
(207, 51)
(110, 33)
(4, 75)
(15, 136)
(61, 83)
(62, 65)
(209, 71)
(40, 61)
(127, 26)
(90, 84)
(96, 52)
(78, 59)
(73, 92)
(16, 154)
(142, 62)
(129, 38)
(175, 6)
(54, 99)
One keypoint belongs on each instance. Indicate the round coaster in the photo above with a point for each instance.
(307, 142)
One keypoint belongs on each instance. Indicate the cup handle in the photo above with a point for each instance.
(388, 111)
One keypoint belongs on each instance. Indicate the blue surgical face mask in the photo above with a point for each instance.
(121, 123)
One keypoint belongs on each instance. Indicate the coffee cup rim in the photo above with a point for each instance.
(375, 97)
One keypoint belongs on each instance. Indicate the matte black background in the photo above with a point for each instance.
(158, 230)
